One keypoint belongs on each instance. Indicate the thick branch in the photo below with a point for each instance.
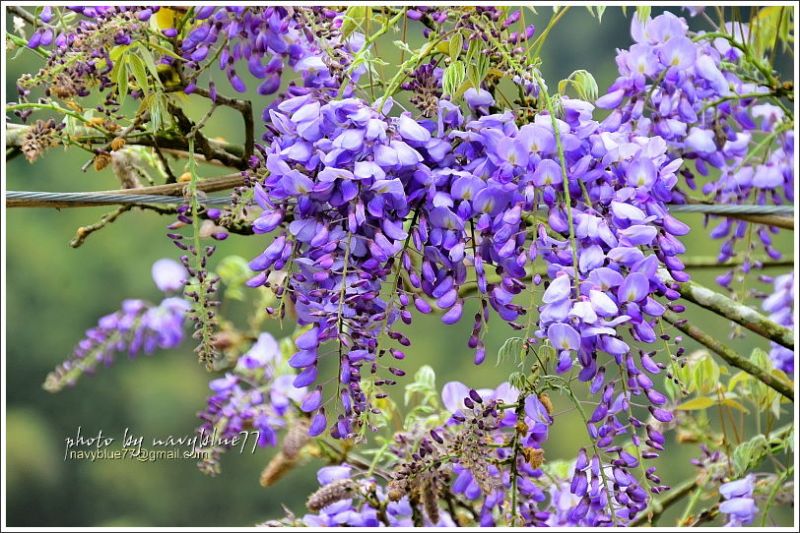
(246, 109)
(741, 314)
(206, 148)
(730, 356)
(167, 142)
(768, 220)
(701, 262)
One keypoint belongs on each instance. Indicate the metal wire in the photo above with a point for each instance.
(106, 198)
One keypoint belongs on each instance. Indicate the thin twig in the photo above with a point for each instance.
(245, 107)
(27, 16)
(84, 231)
(741, 314)
(730, 356)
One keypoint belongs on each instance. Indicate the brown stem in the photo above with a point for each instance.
(84, 231)
(246, 109)
(206, 148)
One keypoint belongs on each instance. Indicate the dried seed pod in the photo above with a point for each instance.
(276, 468)
(117, 143)
(430, 498)
(331, 493)
(101, 161)
(534, 456)
(296, 438)
(39, 138)
(547, 402)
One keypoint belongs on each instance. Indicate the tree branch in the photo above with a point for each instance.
(741, 314)
(27, 16)
(246, 109)
(730, 356)
(701, 262)
(206, 148)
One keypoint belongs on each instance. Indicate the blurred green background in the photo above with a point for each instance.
(55, 292)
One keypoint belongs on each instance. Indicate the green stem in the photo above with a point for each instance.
(773, 493)
(564, 176)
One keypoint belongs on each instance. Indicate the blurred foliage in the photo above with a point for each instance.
(54, 293)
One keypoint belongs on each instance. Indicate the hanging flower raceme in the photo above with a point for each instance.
(738, 503)
(692, 91)
(340, 187)
(139, 327)
(780, 306)
(268, 39)
(491, 446)
(252, 402)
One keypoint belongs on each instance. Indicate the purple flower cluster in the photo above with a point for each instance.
(80, 58)
(344, 501)
(256, 395)
(516, 436)
(780, 306)
(138, 327)
(268, 39)
(689, 91)
(359, 200)
(738, 503)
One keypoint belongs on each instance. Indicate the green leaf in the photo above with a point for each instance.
(730, 402)
(121, 80)
(510, 349)
(584, 84)
(166, 51)
(770, 26)
(762, 394)
(749, 454)
(455, 44)
(424, 385)
(518, 381)
(740, 378)
(150, 63)
(705, 374)
(234, 271)
(672, 390)
(597, 12)
(701, 402)
(354, 18)
(139, 71)
(643, 13)
(453, 78)
(402, 45)
(118, 51)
